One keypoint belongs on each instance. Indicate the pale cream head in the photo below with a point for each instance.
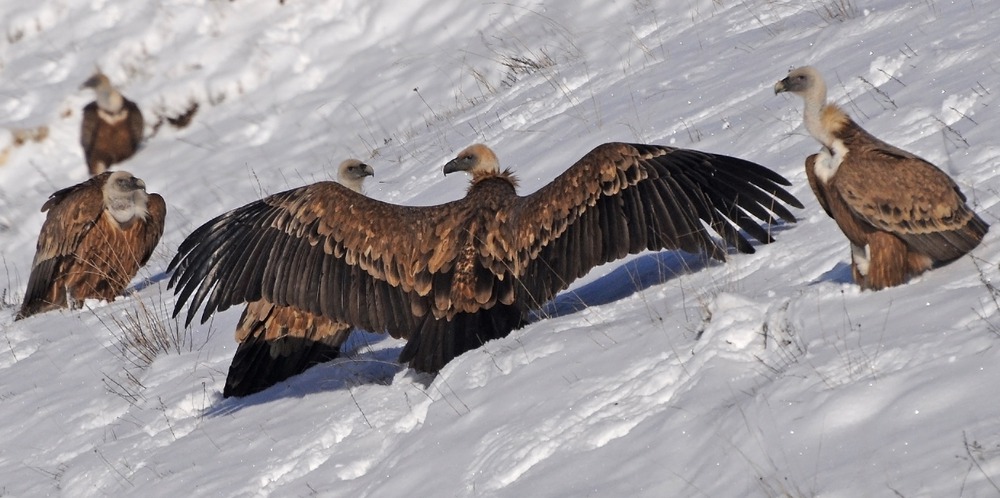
(352, 173)
(476, 159)
(108, 98)
(804, 81)
(807, 83)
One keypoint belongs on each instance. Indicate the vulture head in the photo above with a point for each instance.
(125, 197)
(108, 97)
(352, 173)
(477, 160)
(805, 82)
(98, 80)
(800, 80)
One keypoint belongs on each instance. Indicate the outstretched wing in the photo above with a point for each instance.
(625, 198)
(378, 266)
(322, 248)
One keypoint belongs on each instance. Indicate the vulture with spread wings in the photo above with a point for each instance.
(452, 276)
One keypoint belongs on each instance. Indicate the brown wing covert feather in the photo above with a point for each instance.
(72, 212)
(912, 199)
(152, 230)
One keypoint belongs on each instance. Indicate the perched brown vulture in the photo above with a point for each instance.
(901, 213)
(452, 276)
(277, 342)
(96, 236)
(112, 126)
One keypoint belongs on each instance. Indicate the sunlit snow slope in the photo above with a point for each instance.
(769, 375)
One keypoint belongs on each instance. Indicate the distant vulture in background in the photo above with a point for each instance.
(112, 126)
(96, 236)
(277, 342)
(452, 276)
(901, 213)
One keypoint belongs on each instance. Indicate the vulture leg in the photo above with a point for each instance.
(888, 261)
(918, 263)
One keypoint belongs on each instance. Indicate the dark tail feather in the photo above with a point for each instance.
(436, 342)
(255, 369)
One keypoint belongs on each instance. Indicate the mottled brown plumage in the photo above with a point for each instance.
(901, 213)
(451, 276)
(277, 342)
(96, 236)
(112, 126)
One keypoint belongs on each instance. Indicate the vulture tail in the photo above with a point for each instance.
(436, 341)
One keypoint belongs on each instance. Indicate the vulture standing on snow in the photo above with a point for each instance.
(452, 276)
(901, 213)
(112, 126)
(277, 342)
(96, 236)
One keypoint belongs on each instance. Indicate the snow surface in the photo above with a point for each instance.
(663, 375)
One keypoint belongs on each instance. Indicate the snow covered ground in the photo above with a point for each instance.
(769, 375)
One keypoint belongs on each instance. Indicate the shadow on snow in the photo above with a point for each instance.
(365, 364)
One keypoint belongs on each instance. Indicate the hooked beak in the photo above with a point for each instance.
(91, 82)
(457, 164)
(781, 86)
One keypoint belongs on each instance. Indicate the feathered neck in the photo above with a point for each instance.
(127, 208)
(812, 112)
(822, 120)
(506, 175)
(125, 205)
(355, 184)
